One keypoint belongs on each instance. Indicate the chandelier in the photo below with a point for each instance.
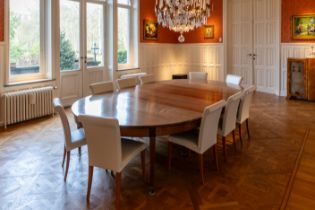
(182, 15)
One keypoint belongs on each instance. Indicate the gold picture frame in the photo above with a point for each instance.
(150, 29)
(208, 31)
(303, 27)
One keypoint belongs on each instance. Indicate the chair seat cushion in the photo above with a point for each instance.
(130, 149)
(77, 139)
(187, 139)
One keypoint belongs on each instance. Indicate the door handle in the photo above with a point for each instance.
(253, 55)
(84, 58)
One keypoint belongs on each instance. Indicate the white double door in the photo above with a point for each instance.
(82, 47)
(254, 42)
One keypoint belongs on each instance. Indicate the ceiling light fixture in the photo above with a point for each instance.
(182, 15)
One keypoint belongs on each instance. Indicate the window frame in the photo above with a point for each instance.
(44, 39)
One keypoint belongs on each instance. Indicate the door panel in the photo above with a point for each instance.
(240, 39)
(70, 51)
(95, 45)
(266, 46)
(254, 30)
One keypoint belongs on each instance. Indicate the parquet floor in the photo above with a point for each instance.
(254, 177)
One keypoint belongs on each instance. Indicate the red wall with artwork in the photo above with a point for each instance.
(1, 20)
(290, 8)
(197, 36)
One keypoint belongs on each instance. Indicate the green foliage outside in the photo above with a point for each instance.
(122, 56)
(67, 54)
(15, 50)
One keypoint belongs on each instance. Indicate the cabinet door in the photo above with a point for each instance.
(297, 78)
(311, 79)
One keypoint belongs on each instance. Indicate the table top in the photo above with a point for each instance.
(156, 104)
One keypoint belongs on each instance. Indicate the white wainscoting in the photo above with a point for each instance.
(163, 60)
(292, 50)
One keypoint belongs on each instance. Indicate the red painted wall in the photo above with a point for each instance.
(1, 20)
(167, 36)
(290, 8)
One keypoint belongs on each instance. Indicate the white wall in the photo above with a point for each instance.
(163, 60)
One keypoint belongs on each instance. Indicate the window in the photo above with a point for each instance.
(26, 40)
(127, 33)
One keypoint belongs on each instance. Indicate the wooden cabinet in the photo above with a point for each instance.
(301, 78)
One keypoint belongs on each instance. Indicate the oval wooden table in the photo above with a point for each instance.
(156, 109)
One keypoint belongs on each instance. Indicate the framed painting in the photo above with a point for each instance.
(150, 30)
(303, 27)
(208, 31)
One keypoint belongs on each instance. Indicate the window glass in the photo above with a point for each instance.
(69, 35)
(123, 35)
(95, 35)
(24, 35)
(126, 2)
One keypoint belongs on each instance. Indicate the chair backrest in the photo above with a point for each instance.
(198, 76)
(102, 87)
(127, 83)
(149, 78)
(230, 113)
(137, 75)
(209, 126)
(65, 123)
(243, 110)
(103, 141)
(233, 79)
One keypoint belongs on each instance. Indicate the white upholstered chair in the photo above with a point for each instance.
(243, 110)
(72, 139)
(207, 137)
(102, 87)
(233, 79)
(107, 150)
(149, 78)
(197, 75)
(135, 75)
(127, 83)
(228, 121)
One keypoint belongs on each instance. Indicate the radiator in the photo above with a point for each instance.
(27, 104)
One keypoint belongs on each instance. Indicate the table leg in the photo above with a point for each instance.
(152, 161)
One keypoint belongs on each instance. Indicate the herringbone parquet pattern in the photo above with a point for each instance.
(254, 177)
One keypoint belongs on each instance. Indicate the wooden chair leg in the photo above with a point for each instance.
(234, 142)
(143, 163)
(201, 168)
(64, 156)
(90, 178)
(67, 165)
(224, 148)
(79, 150)
(215, 157)
(117, 189)
(247, 128)
(170, 150)
(240, 133)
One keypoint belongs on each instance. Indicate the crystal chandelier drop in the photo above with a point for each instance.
(182, 15)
